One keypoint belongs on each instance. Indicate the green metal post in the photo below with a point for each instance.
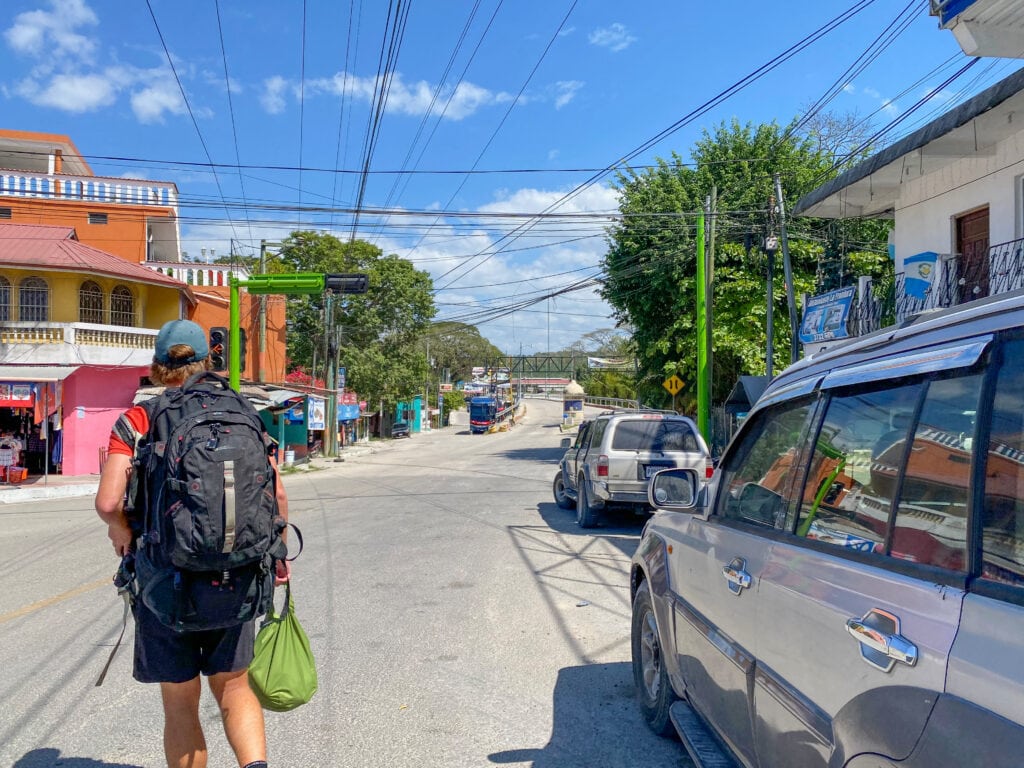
(703, 395)
(234, 337)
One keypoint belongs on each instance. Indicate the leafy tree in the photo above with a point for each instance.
(459, 348)
(378, 332)
(651, 260)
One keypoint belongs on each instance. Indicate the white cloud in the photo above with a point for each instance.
(614, 37)
(849, 88)
(150, 103)
(273, 94)
(53, 32)
(71, 93)
(404, 98)
(872, 93)
(565, 91)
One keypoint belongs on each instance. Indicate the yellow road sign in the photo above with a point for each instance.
(673, 384)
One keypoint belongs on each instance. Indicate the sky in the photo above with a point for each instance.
(496, 110)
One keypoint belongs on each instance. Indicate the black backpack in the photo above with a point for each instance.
(206, 507)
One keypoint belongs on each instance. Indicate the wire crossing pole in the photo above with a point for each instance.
(787, 267)
(703, 399)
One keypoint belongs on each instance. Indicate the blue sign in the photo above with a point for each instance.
(316, 408)
(918, 271)
(348, 412)
(297, 414)
(825, 316)
(341, 378)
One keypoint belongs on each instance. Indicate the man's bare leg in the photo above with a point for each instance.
(242, 715)
(184, 744)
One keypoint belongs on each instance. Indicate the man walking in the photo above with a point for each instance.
(175, 659)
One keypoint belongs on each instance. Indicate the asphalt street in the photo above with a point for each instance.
(458, 618)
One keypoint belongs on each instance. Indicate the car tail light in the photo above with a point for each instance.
(709, 468)
(602, 466)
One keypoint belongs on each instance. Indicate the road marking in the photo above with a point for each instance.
(47, 602)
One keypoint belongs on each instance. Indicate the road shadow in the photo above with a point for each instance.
(596, 722)
(544, 455)
(613, 521)
(51, 758)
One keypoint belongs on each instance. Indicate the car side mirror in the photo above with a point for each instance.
(566, 442)
(674, 489)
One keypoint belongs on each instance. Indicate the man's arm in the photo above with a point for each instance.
(110, 501)
(284, 568)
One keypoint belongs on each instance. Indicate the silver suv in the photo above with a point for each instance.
(614, 456)
(848, 590)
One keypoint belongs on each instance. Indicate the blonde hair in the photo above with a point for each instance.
(171, 375)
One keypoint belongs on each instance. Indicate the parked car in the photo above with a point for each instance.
(614, 455)
(848, 590)
(400, 429)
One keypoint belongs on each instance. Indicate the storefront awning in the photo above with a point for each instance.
(36, 373)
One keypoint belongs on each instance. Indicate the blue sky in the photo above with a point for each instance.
(552, 88)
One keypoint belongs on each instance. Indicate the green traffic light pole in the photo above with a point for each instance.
(293, 284)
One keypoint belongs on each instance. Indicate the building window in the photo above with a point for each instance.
(97, 218)
(33, 300)
(90, 303)
(5, 213)
(122, 306)
(5, 299)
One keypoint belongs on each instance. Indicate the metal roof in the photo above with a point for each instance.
(971, 129)
(36, 372)
(48, 247)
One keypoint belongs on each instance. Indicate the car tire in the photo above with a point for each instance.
(558, 489)
(586, 515)
(653, 690)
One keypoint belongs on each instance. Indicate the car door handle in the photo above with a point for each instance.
(893, 646)
(736, 575)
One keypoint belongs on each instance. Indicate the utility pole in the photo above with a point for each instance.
(771, 244)
(261, 369)
(703, 399)
(331, 411)
(709, 290)
(787, 267)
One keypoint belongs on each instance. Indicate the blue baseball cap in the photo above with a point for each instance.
(177, 332)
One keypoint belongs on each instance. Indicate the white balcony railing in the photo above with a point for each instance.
(88, 189)
(75, 343)
(197, 273)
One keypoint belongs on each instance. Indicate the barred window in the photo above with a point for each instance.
(90, 303)
(5, 299)
(122, 306)
(33, 300)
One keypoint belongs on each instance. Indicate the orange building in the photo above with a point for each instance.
(45, 180)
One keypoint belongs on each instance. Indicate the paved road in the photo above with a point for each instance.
(459, 618)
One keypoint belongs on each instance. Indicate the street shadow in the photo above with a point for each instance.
(620, 530)
(595, 721)
(544, 455)
(51, 758)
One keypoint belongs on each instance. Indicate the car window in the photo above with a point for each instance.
(582, 435)
(758, 473)
(1002, 519)
(853, 471)
(654, 435)
(931, 516)
(597, 432)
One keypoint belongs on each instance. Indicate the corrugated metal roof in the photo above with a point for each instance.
(48, 247)
(36, 372)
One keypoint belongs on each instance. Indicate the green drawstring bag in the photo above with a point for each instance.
(283, 672)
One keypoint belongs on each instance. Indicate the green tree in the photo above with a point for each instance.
(651, 260)
(378, 333)
(457, 347)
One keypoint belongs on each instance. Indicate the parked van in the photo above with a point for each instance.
(848, 589)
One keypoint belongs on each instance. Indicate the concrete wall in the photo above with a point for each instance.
(93, 398)
(928, 206)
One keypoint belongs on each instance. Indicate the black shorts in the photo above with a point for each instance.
(165, 656)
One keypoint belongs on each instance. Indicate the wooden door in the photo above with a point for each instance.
(972, 248)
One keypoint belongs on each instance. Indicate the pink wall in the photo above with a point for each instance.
(93, 399)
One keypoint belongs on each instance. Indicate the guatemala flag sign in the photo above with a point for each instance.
(918, 271)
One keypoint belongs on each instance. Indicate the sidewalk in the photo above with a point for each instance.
(62, 486)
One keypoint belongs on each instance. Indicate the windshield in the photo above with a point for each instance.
(654, 435)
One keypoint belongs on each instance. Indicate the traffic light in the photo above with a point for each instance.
(346, 282)
(242, 346)
(219, 348)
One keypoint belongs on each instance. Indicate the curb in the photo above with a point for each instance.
(16, 495)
